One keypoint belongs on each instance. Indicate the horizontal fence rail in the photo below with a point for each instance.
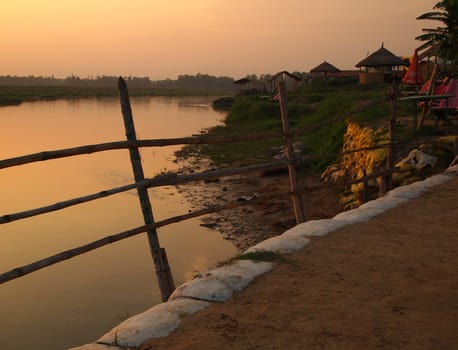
(160, 180)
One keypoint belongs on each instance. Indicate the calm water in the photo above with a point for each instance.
(76, 301)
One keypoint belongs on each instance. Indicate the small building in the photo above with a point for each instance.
(248, 86)
(325, 69)
(291, 81)
(379, 66)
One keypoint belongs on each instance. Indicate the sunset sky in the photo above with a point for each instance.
(164, 38)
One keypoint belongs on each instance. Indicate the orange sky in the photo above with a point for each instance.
(165, 38)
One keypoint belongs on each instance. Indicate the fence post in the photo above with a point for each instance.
(386, 181)
(297, 202)
(365, 196)
(164, 276)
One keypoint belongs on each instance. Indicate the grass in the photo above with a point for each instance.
(261, 255)
(324, 100)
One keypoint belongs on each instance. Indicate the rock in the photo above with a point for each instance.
(419, 159)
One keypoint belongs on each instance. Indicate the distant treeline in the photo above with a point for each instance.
(199, 82)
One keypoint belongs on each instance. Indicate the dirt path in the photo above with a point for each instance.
(391, 283)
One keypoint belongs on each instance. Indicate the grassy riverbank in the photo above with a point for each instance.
(322, 101)
(16, 95)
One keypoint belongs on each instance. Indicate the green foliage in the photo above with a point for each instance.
(261, 255)
(327, 101)
(445, 37)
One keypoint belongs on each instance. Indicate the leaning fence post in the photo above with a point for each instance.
(164, 276)
(297, 203)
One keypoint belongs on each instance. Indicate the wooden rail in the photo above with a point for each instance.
(141, 185)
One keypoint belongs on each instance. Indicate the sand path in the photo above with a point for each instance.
(391, 283)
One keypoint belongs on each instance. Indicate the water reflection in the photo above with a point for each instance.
(55, 305)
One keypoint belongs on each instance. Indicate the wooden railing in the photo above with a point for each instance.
(141, 184)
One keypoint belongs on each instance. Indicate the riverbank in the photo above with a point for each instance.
(245, 226)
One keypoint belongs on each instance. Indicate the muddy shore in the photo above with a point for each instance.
(245, 226)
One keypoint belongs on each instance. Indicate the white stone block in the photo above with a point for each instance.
(315, 228)
(435, 180)
(205, 287)
(239, 274)
(358, 215)
(409, 192)
(281, 244)
(384, 203)
(159, 321)
(95, 346)
(452, 170)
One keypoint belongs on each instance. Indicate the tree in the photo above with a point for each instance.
(442, 40)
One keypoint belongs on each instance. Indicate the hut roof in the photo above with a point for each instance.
(381, 57)
(242, 81)
(325, 67)
(295, 77)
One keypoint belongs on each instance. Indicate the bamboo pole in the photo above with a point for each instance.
(296, 198)
(163, 272)
(116, 145)
(161, 180)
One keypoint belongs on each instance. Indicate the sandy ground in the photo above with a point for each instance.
(391, 283)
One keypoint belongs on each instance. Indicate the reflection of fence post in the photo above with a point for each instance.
(297, 202)
(163, 272)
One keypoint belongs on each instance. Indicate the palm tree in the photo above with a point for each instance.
(442, 40)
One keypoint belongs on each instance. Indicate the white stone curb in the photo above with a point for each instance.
(159, 321)
(314, 228)
(95, 346)
(280, 244)
(219, 284)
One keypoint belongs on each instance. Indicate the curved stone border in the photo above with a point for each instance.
(219, 284)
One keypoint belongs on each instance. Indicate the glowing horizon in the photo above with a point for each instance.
(165, 38)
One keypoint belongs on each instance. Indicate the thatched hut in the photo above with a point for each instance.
(325, 68)
(246, 86)
(379, 66)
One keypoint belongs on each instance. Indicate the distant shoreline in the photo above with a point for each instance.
(15, 95)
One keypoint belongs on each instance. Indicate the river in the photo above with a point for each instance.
(76, 301)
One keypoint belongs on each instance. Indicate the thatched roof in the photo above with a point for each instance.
(325, 67)
(381, 57)
(283, 73)
(242, 81)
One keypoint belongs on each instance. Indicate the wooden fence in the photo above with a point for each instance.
(164, 276)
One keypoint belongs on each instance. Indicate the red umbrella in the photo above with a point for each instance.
(413, 76)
